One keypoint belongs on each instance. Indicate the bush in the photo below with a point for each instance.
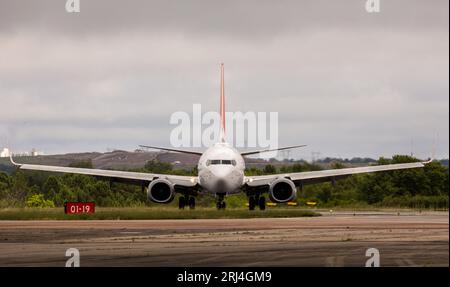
(38, 200)
(417, 201)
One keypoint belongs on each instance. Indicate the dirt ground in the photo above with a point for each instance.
(337, 239)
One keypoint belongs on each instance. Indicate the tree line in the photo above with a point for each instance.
(426, 187)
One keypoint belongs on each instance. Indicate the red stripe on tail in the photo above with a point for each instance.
(222, 104)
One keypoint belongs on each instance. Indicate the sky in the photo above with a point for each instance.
(345, 82)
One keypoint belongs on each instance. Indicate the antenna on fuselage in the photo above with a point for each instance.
(222, 105)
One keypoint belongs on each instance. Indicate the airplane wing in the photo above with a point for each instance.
(186, 181)
(267, 150)
(308, 177)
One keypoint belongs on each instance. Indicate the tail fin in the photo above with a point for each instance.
(222, 105)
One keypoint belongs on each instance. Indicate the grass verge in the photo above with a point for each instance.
(141, 213)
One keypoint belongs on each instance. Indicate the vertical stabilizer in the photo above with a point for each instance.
(222, 105)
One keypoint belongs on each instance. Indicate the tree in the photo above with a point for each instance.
(5, 183)
(270, 169)
(52, 186)
(19, 189)
(155, 166)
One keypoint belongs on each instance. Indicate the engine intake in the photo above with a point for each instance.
(161, 191)
(282, 190)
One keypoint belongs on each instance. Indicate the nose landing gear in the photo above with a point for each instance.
(220, 203)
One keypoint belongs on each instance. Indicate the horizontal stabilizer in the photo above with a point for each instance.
(268, 150)
(171, 149)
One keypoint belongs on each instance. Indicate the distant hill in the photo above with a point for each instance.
(109, 160)
(119, 159)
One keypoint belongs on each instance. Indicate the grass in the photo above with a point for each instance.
(141, 213)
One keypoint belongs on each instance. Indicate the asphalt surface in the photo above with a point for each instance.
(335, 239)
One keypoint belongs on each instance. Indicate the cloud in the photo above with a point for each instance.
(345, 82)
(235, 18)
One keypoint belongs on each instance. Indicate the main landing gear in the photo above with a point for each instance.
(220, 203)
(254, 201)
(186, 201)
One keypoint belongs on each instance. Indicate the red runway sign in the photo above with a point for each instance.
(79, 207)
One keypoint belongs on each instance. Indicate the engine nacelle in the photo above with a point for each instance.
(282, 190)
(161, 191)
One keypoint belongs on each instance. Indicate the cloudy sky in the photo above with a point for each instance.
(345, 82)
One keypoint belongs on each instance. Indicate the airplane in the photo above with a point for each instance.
(221, 173)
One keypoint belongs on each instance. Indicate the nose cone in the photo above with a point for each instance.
(220, 178)
(221, 186)
(221, 171)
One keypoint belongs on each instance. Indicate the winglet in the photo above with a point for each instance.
(433, 153)
(12, 161)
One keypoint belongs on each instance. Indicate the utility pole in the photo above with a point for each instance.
(315, 155)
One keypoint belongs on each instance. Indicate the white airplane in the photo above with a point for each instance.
(220, 173)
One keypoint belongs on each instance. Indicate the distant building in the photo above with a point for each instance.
(34, 152)
(5, 152)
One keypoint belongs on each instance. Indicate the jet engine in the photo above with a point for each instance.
(282, 190)
(161, 191)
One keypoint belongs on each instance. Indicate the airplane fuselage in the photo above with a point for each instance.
(221, 169)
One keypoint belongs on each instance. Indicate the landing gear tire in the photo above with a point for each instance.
(181, 202)
(221, 205)
(251, 203)
(262, 203)
(191, 202)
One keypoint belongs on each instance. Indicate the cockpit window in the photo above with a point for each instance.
(221, 161)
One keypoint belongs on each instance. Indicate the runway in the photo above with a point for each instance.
(337, 239)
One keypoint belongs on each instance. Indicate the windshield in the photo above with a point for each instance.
(221, 161)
